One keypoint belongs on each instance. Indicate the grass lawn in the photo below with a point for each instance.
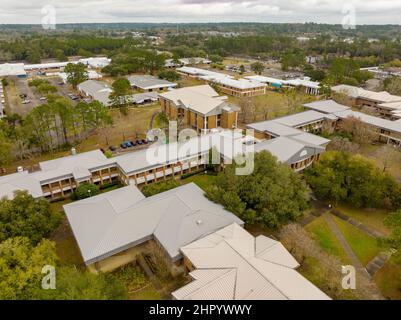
(372, 218)
(68, 251)
(202, 180)
(313, 270)
(189, 82)
(320, 232)
(148, 293)
(364, 246)
(388, 280)
(276, 103)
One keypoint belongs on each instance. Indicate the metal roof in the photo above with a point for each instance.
(109, 223)
(232, 264)
(147, 82)
(19, 181)
(326, 106)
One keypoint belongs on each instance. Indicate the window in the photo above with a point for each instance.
(219, 120)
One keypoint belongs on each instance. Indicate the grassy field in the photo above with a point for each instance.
(388, 280)
(274, 104)
(364, 246)
(320, 232)
(372, 218)
(202, 180)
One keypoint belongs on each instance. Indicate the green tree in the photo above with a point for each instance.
(120, 97)
(24, 216)
(86, 190)
(73, 284)
(393, 222)
(272, 195)
(169, 75)
(76, 73)
(21, 265)
(342, 177)
(257, 67)
(5, 149)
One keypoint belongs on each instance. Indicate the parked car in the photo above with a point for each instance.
(26, 101)
(112, 148)
(123, 145)
(42, 98)
(132, 143)
(144, 141)
(139, 142)
(73, 96)
(61, 83)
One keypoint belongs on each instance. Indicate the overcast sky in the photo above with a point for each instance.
(324, 11)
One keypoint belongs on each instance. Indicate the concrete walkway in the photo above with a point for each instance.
(378, 262)
(350, 253)
(369, 231)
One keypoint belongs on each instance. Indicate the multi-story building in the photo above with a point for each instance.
(199, 107)
(226, 83)
(388, 106)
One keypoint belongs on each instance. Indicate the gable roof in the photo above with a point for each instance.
(92, 87)
(232, 264)
(109, 223)
(356, 92)
(19, 181)
(78, 165)
(201, 99)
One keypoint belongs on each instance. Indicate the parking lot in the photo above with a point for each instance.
(16, 88)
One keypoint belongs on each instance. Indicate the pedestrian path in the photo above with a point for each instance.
(350, 253)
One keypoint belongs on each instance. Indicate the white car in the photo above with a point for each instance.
(26, 101)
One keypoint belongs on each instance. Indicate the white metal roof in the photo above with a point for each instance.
(109, 223)
(201, 99)
(232, 264)
(356, 92)
(12, 69)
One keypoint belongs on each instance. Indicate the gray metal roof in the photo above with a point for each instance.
(109, 223)
(326, 106)
(19, 181)
(147, 82)
(302, 118)
(288, 150)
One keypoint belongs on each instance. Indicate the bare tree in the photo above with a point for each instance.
(343, 144)
(360, 132)
(388, 156)
(328, 275)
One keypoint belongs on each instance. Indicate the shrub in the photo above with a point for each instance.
(86, 190)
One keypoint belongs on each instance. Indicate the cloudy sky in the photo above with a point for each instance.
(324, 11)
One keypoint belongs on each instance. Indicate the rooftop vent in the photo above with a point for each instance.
(199, 222)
